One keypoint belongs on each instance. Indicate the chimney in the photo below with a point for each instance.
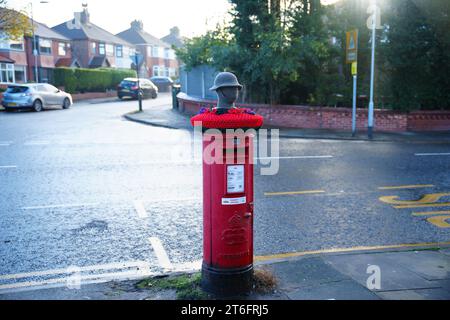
(175, 31)
(84, 15)
(137, 25)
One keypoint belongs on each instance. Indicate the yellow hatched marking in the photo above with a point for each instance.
(407, 187)
(440, 221)
(442, 204)
(428, 198)
(430, 213)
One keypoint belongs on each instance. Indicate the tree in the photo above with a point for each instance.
(293, 51)
(417, 55)
(14, 23)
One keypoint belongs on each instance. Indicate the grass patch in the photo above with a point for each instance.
(187, 286)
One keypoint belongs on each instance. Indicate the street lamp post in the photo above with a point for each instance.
(372, 71)
(35, 45)
(35, 52)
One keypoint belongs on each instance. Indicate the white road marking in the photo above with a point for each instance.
(84, 280)
(8, 167)
(114, 271)
(295, 157)
(108, 266)
(5, 143)
(140, 209)
(431, 154)
(161, 254)
(61, 206)
(188, 266)
(199, 198)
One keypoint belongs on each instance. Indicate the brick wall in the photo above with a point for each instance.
(333, 118)
(93, 95)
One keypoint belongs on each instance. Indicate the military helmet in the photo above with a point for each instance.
(225, 79)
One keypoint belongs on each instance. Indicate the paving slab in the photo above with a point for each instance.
(431, 265)
(304, 273)
(393, 275)
(444, 284)
(341, 290)
(420, 294)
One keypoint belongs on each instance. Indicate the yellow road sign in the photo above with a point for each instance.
(354, 68)
(352, 46)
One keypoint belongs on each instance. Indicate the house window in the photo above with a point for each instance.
(132, 52)
(20, 74)
(110, 50)
(45, 46)
(160, 71)
(155, 52)
(10, 44)
(16, 44)
(119, 51)
(94, 48)
(7, 72)
(101, 49)
(126, 52)
(61, 49)
(169, 54)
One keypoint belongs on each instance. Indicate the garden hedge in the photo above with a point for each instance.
(79, 80)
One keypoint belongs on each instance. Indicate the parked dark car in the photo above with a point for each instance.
(36, 96)
(163, 83)
(129, 88)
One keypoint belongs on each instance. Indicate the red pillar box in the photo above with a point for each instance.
(227, 199)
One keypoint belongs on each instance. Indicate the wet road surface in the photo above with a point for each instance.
(83, 187)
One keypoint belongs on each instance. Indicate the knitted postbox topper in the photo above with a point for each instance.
(234, 118)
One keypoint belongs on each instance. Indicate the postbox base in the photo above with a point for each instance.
(227, 282)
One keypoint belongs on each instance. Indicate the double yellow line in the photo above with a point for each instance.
(351, 249)
(288, 193)
(293, 193)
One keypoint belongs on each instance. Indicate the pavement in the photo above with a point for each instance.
(395, 274)
(171, 118)
(85, 188)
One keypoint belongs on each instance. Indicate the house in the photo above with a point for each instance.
(94, 47)
(158, 56)
(53, 50)
(18, 63)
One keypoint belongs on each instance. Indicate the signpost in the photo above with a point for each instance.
(137, 59)
(351, 56)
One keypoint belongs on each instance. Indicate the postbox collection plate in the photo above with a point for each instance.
(235, 179)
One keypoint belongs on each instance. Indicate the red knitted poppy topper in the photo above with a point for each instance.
(234, 118)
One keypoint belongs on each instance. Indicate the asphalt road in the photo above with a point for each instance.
(83, 187)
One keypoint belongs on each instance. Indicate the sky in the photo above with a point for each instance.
(192, 17)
